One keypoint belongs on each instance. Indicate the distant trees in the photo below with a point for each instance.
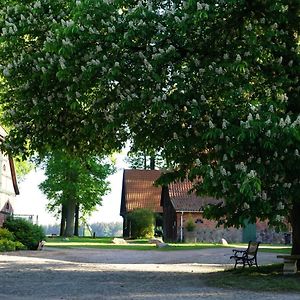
(112, 229)
(145, 160)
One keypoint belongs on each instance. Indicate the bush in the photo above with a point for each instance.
(190, 225)
(6, 245)
(25, 232)
(142, 223)
(5, 234)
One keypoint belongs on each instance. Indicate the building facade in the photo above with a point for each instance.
(8, 183)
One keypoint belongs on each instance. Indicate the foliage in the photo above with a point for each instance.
(25, 232)
(190, 225)
(144, 161)
(7, 245)
(7, 241)
(85, 179)
(215, 85)
(74, 180)
(142, 223)
(23, 167)
(5, 234)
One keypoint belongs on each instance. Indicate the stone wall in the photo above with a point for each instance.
(206, 231)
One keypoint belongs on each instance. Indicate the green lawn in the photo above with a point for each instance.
(106, 243)
(142, 244)
(266, 278)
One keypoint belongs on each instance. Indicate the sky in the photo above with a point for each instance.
(32, 201)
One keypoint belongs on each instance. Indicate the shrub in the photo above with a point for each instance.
(5, 234)
(190, 225)
(142, 223)
(6, 245)
(25, 232)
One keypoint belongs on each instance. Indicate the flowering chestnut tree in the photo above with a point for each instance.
(213, 84)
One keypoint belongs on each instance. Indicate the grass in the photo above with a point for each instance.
(142, 244)
(106, 243)
(266, 278)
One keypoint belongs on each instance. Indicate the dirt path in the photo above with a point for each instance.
(118, 274)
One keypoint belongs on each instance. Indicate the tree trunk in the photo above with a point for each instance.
(76, 228)
(295, 222)
(152, 163)
(71, 205)
(63, 220)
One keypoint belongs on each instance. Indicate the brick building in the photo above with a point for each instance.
(177, 207)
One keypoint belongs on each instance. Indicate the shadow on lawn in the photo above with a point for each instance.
(265, 278)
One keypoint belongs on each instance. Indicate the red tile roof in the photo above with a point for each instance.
(183, 200)
(139, 191)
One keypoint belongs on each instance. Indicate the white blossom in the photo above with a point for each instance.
(6, 72)
(281, 123)
(241, 166)
(246, 205)
(223, 171)
(252, 174)
(280, 206)
(37, 4)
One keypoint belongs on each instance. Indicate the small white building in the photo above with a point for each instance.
(8, 183)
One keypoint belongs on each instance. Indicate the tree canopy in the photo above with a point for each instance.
(214, 84)
(73, 181)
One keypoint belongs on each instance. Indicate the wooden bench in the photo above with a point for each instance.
(248, 256)
(289, 263)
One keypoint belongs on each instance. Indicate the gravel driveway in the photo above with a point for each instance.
(119, 274)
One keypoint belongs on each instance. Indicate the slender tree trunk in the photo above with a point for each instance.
(295, 222)
(63, 220)
(70, 216)
(145, 161)
(76, 227)
(152, 163)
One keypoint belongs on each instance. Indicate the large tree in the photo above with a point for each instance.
(74, 184)
(213, 83)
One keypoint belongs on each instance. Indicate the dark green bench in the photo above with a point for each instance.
(246, 257)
